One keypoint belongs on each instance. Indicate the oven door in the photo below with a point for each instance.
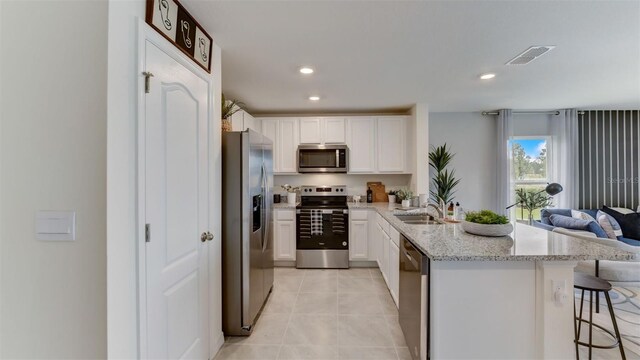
(319, 229)
(314, 159)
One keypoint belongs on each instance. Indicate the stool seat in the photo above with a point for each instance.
(588, 282)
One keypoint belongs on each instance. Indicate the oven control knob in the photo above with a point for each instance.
(344, 243)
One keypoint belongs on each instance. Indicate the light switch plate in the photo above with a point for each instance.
(56, 225)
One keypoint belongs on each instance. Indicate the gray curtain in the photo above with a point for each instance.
(505, 180)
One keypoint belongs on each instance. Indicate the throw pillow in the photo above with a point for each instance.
(545, 213)
(569, 222)
(581, 215)
(629, 223)
(610, 225)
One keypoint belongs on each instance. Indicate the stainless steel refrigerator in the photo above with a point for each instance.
(247, 240)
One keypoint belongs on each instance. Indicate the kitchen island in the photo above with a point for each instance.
(498, 298)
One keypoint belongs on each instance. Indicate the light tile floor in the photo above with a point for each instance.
(324, 314)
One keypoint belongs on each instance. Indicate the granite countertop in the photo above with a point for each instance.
(448, 242)
(285, 205)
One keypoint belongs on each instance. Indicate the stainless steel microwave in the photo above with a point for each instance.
(323, 158)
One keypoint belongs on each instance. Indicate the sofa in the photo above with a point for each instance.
(618, 271)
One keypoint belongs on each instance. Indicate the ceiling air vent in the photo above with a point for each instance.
(530, 54)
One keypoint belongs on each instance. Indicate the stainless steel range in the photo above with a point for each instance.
(322, 220)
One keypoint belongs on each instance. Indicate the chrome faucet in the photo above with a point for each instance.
(440, 214)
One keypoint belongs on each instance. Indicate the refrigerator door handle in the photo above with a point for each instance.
(265, 226)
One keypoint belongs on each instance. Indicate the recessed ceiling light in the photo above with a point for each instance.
(306, 70)
(314, 98)
(487, 76)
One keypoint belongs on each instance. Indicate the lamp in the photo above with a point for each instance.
(551, 189)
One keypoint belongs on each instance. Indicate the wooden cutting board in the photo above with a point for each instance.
(379, 193)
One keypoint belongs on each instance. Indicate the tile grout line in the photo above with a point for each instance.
(304, 275)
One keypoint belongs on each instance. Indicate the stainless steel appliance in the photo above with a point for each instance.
(323, 158)
(322, 222)
(413, 312)
(247, 240)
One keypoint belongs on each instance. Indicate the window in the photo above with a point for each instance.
(530, 167)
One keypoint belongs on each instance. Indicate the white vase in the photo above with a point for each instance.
(291, 198)
(406, 203)
(392, 199)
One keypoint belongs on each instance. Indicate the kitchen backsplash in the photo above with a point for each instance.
(356, 184)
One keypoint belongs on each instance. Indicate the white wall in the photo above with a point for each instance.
(121, 178)
(122, 266)
(471, 136)
(356, 184)
(53, 156)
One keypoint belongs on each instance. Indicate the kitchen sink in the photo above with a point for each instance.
(415, 219)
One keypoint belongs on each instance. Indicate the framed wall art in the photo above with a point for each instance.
(173, 21)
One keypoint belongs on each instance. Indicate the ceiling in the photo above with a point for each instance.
(385, 56)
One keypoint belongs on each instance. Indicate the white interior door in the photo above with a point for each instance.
(176, 207)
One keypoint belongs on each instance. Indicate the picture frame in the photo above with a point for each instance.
(175, 23)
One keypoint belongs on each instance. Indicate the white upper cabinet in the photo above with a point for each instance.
(391, 144)
(284, 134)
(324, 130)
(310, 131)
(270, 129)
(242, 120)
(334, 130)
(251, 123)
(361, 132)
(376, 144)
(288, 145)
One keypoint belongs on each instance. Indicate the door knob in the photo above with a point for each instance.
(206, 236)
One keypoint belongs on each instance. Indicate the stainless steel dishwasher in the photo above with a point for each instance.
(414, 299)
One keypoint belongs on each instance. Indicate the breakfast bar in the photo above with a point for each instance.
(505, 297)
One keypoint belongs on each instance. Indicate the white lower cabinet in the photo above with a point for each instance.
(394, 265)
(358, 235)
(372, 238)
(284, 234)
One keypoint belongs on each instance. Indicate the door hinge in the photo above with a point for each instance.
(147, 77)
(147, 232)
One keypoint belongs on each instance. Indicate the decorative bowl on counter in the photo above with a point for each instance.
(487, 229)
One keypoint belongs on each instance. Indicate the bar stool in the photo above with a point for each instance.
(593, 284)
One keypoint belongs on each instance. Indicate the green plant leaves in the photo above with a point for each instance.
(485, 217)
(230, 107)
(444, 181)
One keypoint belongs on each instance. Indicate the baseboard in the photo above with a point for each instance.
(283, 263)
(353, 264)
(218, 344)
(363, 264)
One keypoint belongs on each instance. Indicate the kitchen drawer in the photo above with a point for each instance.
(359, 214)
(394, 235)
(384, 224)
(285, 214)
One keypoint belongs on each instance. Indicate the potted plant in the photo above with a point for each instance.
(291, 193)
(405, 196)
(392, 196)
(486, 223)
(531, 200)
(444, 181)
(227, 110)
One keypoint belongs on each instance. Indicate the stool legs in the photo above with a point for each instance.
(579, 322)
(615, 325)
(590, 323)
(577, 325)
